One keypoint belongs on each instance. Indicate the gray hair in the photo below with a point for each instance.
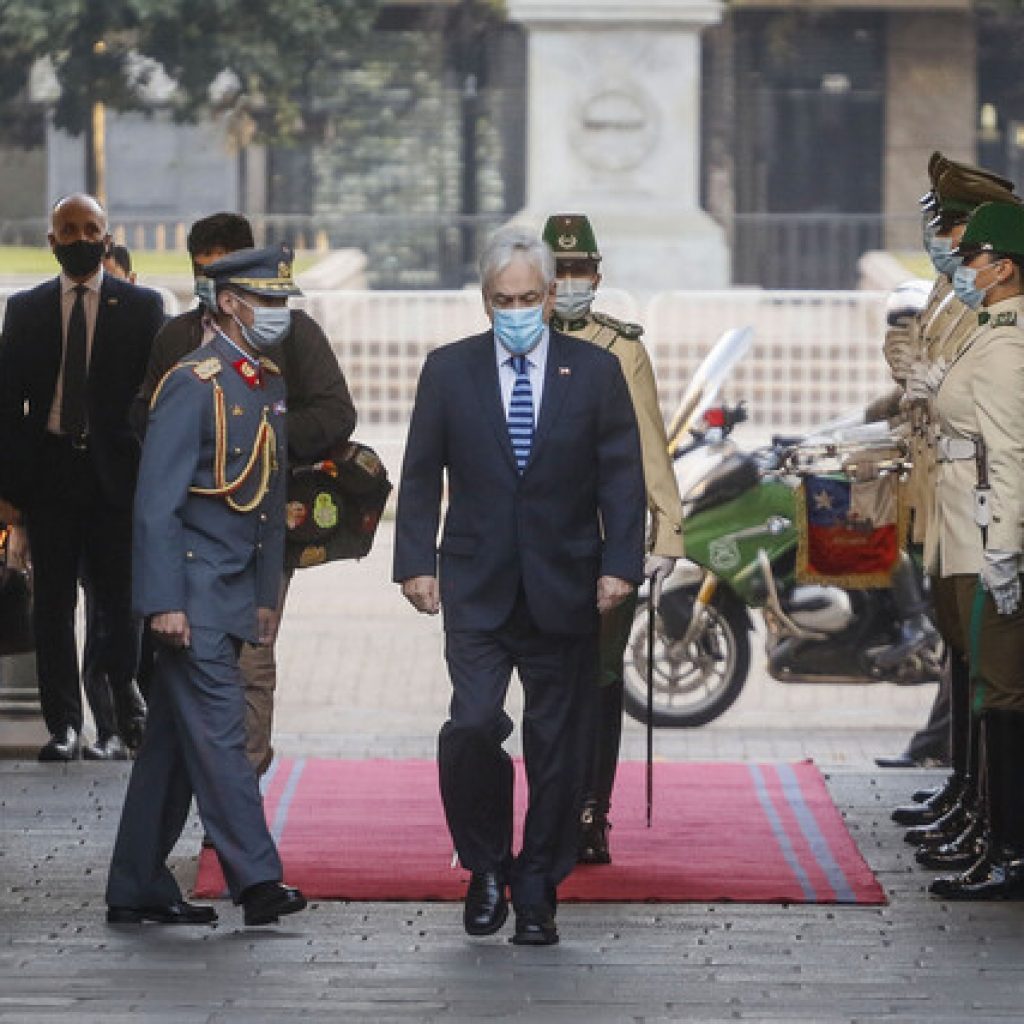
(509, 242)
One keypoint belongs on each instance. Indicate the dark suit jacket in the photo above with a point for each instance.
(577, 512)
(320, 409)
(30, 355)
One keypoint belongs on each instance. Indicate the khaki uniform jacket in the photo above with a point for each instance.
(663, 500)
(982, 394)
(942, 327)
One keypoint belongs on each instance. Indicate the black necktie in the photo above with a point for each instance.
(72, 405)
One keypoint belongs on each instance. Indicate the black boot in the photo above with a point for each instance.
(951, 824)
(934, 807)
(594, 824)
(916, 629)
(961, 853)
(999, 873)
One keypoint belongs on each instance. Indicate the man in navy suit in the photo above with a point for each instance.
(72, 356)
(543, 532)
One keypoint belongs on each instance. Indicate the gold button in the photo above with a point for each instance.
(190, 554)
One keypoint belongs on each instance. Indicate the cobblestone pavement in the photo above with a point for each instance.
(362, 676)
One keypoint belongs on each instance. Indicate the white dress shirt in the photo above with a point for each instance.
(91, 302)
(536, 363)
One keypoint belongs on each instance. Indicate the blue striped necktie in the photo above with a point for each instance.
(520, 413)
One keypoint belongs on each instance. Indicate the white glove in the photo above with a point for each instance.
(1000, 576)
(658, 568)
(916, 388)
(934, 375)
(899, 353)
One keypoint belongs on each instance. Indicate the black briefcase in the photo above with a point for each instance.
(15, 604)
(334, 506)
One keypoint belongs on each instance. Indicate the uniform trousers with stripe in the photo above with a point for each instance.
(194, 743)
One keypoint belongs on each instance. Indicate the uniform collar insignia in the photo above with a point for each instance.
(249, 373)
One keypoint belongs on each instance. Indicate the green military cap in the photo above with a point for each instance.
(260, 271)
(993, 227)
(571, 237)
(939, 166)
(960, 191)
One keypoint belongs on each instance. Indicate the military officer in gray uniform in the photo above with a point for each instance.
(577, 266)
(208, 550)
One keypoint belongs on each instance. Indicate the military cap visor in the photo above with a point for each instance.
(266, 272)
(995, 228)
(571, 237)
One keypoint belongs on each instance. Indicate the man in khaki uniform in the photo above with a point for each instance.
(978, 534)
(577, 262)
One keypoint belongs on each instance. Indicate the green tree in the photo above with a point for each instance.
(260, 57)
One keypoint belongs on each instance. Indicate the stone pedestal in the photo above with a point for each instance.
(614, 132)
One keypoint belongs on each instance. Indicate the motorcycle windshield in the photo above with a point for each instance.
(705, 384)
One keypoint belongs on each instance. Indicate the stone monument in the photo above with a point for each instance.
(614, 132)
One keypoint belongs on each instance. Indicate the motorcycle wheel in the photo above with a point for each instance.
(692, 685)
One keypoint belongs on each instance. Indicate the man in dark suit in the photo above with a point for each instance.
(544, 530)
(72, 355)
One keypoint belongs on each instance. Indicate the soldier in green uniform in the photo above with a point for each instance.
(941, 332)
(979, 527)
(577, 263)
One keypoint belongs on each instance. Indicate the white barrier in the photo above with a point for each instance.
(815, 354)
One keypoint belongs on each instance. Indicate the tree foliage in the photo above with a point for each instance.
(108, 50)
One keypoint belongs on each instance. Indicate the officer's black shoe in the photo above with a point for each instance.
(172, 913)
(959, 854)
(997, 875)
(265, 902)
(930, 810)
(946, 828)
(64, 745)
(593, 841)
(535, 926)
(111, 748)
(920, 795)
(486, 908)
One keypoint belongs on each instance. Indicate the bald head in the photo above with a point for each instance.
(78, 234)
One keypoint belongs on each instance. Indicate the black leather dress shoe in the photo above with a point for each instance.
(535, 926)
(110, 749)
(173, 913)
(61, 746)
(265, 902)
(592, 847)
(486, 908)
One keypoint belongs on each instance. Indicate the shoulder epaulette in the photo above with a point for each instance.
(270, 366)
(633, 332)
(204, 369)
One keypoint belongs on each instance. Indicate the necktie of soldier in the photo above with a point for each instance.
(520, 414)
(72, 404)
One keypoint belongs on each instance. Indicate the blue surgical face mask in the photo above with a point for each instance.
(966, 290)
(574, 297)
(519, 330)
(269, 325)
(940, 251)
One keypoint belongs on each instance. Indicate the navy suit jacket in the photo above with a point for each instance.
(577, 512)
(30, 355)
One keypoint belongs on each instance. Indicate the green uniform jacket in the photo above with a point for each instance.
(662, 490)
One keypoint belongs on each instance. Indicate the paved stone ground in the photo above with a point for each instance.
(362, 676)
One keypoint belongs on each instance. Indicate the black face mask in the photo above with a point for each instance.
(81, 258)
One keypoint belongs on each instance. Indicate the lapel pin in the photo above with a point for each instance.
(565, 371)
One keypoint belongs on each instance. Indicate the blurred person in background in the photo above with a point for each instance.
(577, 270)
(72, 356)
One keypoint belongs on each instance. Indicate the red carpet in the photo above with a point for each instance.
(375, 830)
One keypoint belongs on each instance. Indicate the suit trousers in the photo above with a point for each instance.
(194, 743)
(71, 527)
(557, 674)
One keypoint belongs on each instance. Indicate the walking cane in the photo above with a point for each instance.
(652, 610)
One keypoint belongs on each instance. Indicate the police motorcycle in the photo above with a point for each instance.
(741, 532)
